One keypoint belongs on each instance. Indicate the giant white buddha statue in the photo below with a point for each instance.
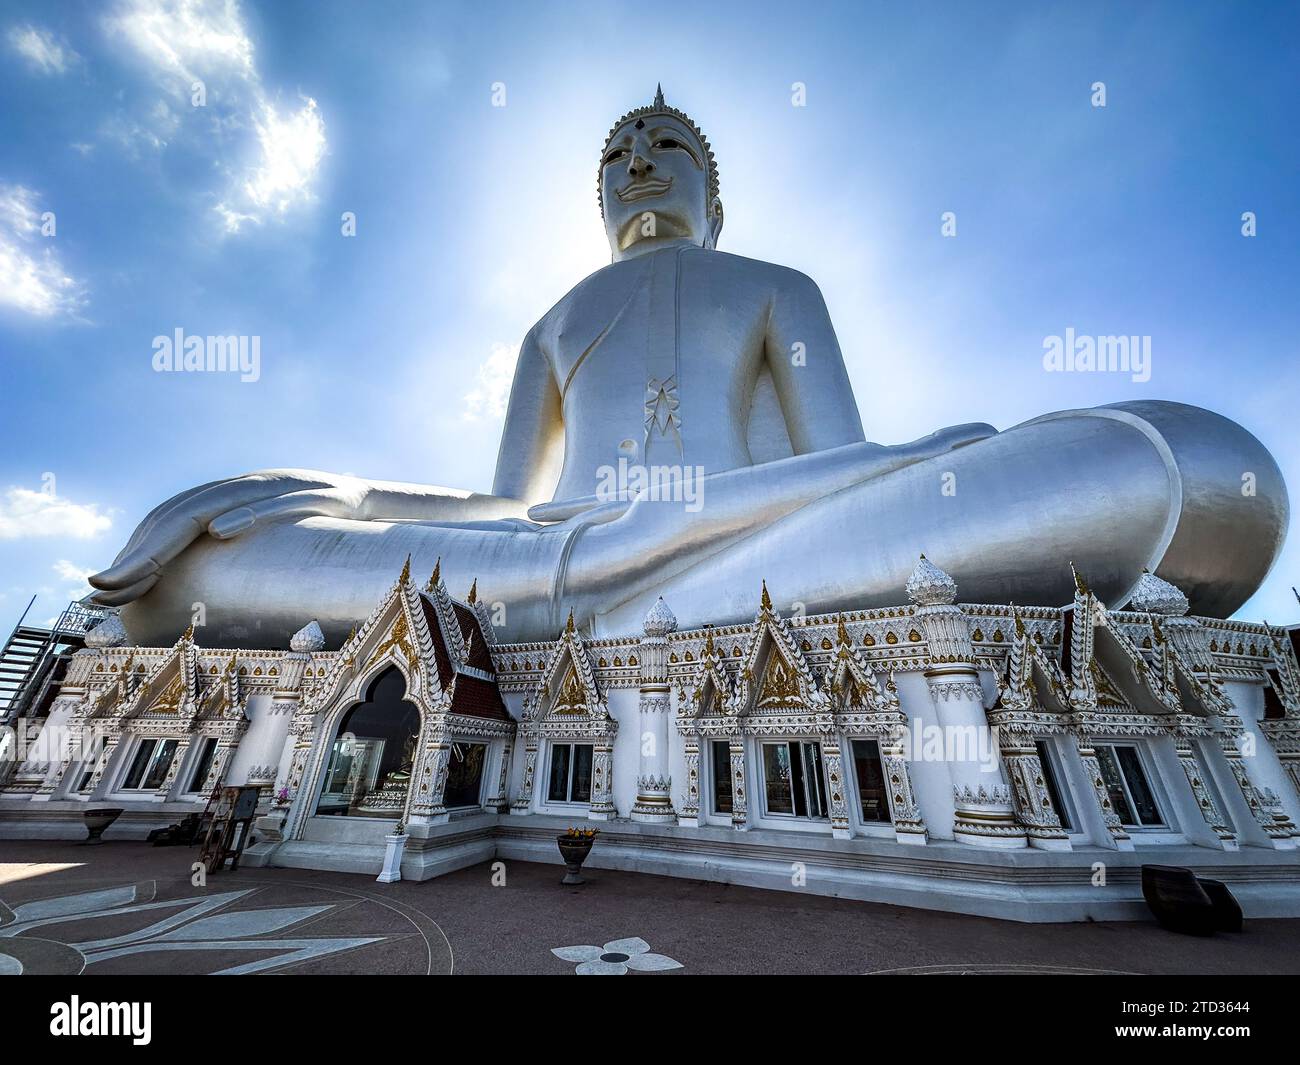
(679, 356)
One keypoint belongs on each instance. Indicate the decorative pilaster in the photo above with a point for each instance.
(833, 764)
(174, 770)
(1204, 801)
(602, 782)
(689, 815)
(523, 803)
(1279, 830)
(424, 803)
(1119, 839)
(1033, 802)
(654, 801)
(909, 827)
(500, 802)
(98, 785)
(983, 816)
(739, 817)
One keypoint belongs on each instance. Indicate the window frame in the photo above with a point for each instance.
(1058, 785)
(194, 786)
(1144, 765)
(713, 779)
(550, 760)
(888, 823)
(819, 775)
(153, 743)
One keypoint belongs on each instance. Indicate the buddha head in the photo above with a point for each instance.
(658, 181)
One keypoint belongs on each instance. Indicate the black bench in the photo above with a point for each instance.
(1183, 902)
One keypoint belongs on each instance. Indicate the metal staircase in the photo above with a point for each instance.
(34, 659)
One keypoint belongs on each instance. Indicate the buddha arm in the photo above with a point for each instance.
(808, 370)
(532, 442)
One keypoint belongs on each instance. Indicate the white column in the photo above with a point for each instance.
(654, 801)
(981, 796)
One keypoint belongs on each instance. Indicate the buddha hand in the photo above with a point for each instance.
(226, 508)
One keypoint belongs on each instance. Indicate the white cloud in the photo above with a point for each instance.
(77, 578)
(491, 392)
(32, 278)
(41, 49)
(277, 149)
(27, 514)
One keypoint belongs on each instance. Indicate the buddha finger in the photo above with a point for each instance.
(306, 504)
(151, 519)
(179, 527)
(122, 596)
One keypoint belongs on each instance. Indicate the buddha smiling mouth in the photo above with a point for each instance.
(641, 190)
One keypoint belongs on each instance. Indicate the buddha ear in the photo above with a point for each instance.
(715, 222)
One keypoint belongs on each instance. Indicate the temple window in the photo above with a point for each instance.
(793, 783)
(1051, 780)
(152, 759)
(720, 771)
(1128, 786)
(370, 764)
(873, 797)
(465, 775)
(203, 763)
(569, 779)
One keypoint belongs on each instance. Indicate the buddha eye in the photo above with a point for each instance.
(668, 142)
(615, 155)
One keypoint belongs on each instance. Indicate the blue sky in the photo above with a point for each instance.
(388, 354)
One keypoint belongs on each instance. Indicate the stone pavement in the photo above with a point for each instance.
(131, 908)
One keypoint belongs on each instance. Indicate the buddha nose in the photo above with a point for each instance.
(640, 166)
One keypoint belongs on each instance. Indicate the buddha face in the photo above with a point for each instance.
(655, 186)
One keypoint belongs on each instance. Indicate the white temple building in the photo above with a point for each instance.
(1013, 762)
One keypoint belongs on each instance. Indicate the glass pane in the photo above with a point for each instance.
(159, 764)
(776, 778)
(464, 775)
(1049, 779)
(204, 764)
(721, 753)
(815, 779)
(582, 753)
(1143, 798)
(557, 789)
(94, 754)
(870, 774)
(798, 780)
(139, 763)
(1114, 788)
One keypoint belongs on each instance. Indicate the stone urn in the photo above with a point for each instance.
(97, 821)
(574, 850)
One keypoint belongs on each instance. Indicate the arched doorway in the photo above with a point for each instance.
(369, 769)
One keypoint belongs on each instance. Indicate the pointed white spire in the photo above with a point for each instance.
(308, 638)
(659, 621)
(108, 633)
(930, 586)
(1155, 595)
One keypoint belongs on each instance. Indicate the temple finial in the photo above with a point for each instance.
(472, 598)
(188, 635)
(568, 625)
(766, 601)
(708, 640)
(1079, 582)
(436, 575)
(659, 95)
(842, 633)
(406, 571)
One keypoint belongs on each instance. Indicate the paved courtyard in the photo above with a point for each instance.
(130, 908)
